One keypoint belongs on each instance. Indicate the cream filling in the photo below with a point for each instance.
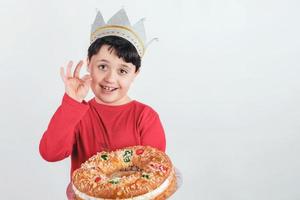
(147, 196)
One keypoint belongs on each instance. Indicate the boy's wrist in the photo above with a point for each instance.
(72, 101)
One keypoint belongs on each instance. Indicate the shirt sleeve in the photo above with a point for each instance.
(151, 130)
(58, 140)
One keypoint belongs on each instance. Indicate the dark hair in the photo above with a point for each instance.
(123, 48)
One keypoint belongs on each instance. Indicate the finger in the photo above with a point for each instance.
(77, 69)
(69, 67)
(62, 74)
(86, 77)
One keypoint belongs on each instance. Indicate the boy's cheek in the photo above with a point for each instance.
(94, 83)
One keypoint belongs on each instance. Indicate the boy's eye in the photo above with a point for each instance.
(102, 67)
(122, 71)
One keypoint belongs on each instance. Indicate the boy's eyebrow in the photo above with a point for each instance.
(123, 65)
(102, 60)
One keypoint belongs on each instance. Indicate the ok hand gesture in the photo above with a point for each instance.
(77, 88)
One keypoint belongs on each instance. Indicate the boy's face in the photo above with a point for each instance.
(111, 77)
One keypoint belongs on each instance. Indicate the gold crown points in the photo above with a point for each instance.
(119, 25)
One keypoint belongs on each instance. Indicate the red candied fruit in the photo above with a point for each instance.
(97, 179)
(163, 168)
(139, 151)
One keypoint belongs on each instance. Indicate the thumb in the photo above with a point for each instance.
(86, 77)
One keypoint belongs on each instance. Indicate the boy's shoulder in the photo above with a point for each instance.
(140, 104)
(144, 107)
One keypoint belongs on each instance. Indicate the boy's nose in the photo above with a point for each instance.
(110, 77)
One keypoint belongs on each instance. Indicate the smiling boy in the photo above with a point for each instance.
(111, 75)
(111, 119)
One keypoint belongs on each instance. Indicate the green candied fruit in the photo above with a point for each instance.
(128, 153)
(127, 159)
(114, 180)
(104, 156)
(146, 176)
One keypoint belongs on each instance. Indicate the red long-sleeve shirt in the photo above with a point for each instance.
(83, 129)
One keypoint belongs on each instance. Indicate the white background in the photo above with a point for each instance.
(223, 77)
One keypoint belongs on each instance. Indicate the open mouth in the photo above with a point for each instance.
(108, 89)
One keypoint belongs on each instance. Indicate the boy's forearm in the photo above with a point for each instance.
(57, 141)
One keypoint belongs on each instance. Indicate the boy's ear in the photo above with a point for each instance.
(137, 72)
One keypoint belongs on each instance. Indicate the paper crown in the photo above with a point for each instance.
(119, 25)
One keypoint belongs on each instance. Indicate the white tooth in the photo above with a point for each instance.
(107, 88)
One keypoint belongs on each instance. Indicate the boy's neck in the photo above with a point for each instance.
(124, 100)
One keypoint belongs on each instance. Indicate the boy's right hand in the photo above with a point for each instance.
(77, 88)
